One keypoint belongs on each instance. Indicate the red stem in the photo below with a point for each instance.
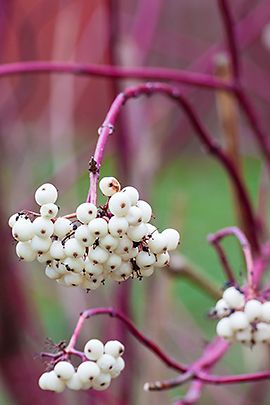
(132, 329)
(229, 29)
(203, 135)
(218, 236)
(117, 72)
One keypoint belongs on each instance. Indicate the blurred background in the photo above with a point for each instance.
(48, 131)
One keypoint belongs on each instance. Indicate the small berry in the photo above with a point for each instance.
(94, 349)
(224, 328)
(46, 194)
(253, 310)
(109, 242)
(62, 227)
(117, 226)
(49, 210)
(98, 255)
(102, 382)
(114, 262)
(145, 259)
(134, 216)
(162, 259)
(43, 227)
(41, 245)
(114, 348)
(262, 333)
(57, 250)
(86, 212)
(25, 252)
(106, 363)
(145, 209)
(233, 298)
(119, 204)
(73, 248)
(64, 370)
(137, 233)
(88, 371)
(118, 367)
(239, 321)
(83, 236)
(74, 383)
(23, 230)
(157, 243)
(109, 186)
(52, 273)
(73, 279)
(98, 227)
(172, 238)
(132, 194)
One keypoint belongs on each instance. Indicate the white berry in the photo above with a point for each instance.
(109, 186)
(119, 204)
(46, 194)
(64, 370)
(98, 227)
(233, 298)
(145, 209)
(132, 194)
(43, 227)
(94, 349)
(86, 212)
(224, 328)
(62, 227)
(172, 238)
(117, 226)
(23, 230)
(253, 310)
(49, 210)
(87, 371)
(114, 348)
(25, 252)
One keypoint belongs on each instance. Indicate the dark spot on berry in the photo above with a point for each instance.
(102, 385)
(123, 205)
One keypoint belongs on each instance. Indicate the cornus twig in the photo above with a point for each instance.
(209, 143)
(238, 90)
(116, 72)
(218, 236)
(180, 267)
(223, 259)
(132, 329)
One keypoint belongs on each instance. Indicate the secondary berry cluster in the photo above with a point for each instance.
(114, 241)
(244, 321)
(102, 363)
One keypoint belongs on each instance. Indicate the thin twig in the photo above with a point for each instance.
(180, 267)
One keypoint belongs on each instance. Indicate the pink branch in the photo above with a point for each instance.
(116, 72)
(203, 135)
(233, 379)
(223, 258)
(148, 343)
(215, 238)
(229, 28)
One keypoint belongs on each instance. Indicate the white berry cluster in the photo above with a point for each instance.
(103, 362)
(114, 241)
(244, 321)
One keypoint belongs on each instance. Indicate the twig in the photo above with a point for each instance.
(116, 72)
(200, 131)
(180, 267)
(148, 343)
(218, 236)
(223, 258)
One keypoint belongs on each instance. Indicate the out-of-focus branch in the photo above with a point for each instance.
(223, 259)
(228, 117)
(180, 267)
(117, 72)
(218, 236)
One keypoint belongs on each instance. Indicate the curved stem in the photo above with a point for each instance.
(116, 72)
(148, 343)
(200, 131)
(229, 28)
(223, 258)
(218, 236)
(233, 379)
